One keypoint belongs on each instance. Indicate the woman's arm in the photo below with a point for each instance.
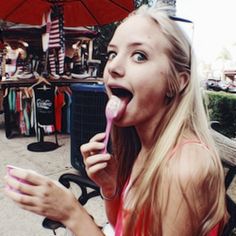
(86, 225)
(191, 197)
(112, 208)
(49, 198)
(102, 169)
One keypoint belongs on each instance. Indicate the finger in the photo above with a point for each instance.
(40, 211)
(96, 168)
(35, 209)
(93, 160)
(19, 186)
(98, 137)
(91, 148)
(23, 201)
(19, 198)
(29, 176)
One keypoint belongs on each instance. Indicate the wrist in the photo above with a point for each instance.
(109, 195)
(81, 223)
(74, 215)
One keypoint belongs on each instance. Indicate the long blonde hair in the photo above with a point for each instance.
(186, 112)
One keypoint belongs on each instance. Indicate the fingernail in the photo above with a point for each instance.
(7, 187)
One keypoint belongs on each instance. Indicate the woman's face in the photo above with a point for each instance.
(136, 70)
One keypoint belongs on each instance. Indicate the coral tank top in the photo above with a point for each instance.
(123, 213)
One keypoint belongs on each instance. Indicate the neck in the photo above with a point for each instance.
(149, 131)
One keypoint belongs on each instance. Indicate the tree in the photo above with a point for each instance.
(171, 3)
(101, 42)
(151, 2)
(138, 3)
(224, 54)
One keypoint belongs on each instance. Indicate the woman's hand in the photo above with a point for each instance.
(100, 167)
(40, 195)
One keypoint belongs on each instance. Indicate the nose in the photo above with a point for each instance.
(116, 67)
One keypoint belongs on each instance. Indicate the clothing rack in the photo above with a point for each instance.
(44, 117)
(56, 82)
(5, 85)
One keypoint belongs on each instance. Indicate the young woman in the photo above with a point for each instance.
(164, 176)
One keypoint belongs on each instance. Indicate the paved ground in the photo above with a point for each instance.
(15, 221)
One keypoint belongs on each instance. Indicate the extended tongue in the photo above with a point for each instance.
(114, 110)
(123, 103)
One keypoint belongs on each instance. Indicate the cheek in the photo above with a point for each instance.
(154, 92)
(105, 80)
(156, 100)
(105, 74)
(153, 85)
(154, 95)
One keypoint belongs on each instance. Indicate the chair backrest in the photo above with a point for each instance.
(230, 228)
(87, 118)
(227, 150)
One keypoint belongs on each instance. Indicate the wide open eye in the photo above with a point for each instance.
(111, 55)
(139, 57)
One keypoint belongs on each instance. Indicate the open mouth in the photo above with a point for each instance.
(125, 97)
(122, 93)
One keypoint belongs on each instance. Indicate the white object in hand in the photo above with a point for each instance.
(113, 109)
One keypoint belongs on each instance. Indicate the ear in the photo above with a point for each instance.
(184, 80)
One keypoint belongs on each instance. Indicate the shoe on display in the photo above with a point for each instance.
(25, 75)
(55, 76)
(66, 76)
(80, 76)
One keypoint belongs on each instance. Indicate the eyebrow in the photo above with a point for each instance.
(111, 46)
(132, 44)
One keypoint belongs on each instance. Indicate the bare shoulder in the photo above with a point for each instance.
(191, 181)
(194, 161)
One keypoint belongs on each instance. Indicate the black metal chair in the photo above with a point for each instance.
(230, 173)
(88, 190)
(87, 119)
(230, 228)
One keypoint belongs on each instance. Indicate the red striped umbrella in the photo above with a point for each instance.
(76, 12)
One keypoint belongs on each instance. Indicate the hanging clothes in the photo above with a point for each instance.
(26, 114)
(12, 99)
(1, 101)
(66, 113)
(44, 108)
(59, 103)
(18, 112)
(56, 44)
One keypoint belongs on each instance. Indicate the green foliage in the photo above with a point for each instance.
(138, 3)
(222, 108)
(100, 43)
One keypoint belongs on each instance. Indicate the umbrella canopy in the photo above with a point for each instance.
(76, 12)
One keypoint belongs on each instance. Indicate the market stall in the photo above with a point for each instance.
(22, 73)
(53, 46)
